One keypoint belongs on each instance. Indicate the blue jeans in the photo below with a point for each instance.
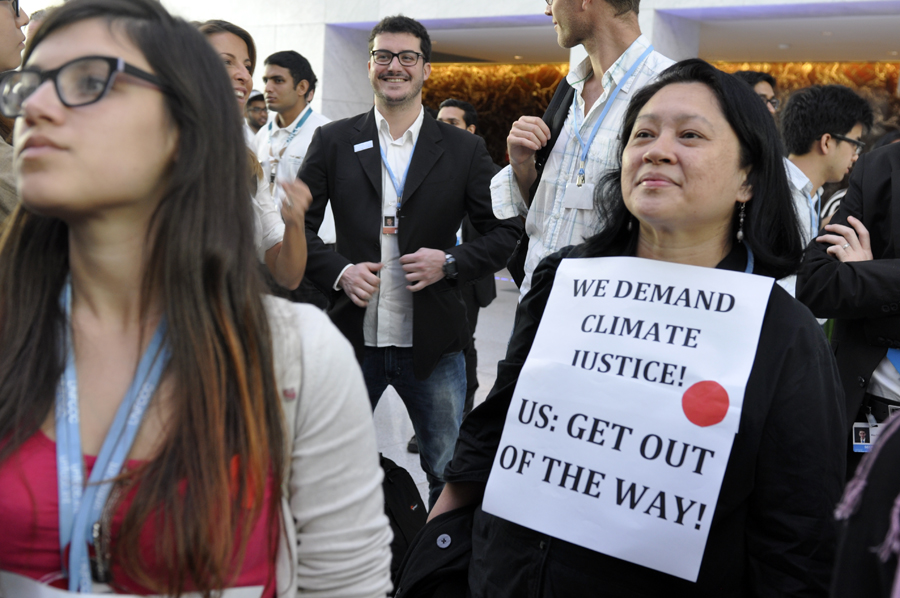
(435, 405)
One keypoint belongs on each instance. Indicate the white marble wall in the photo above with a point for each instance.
(348, 91)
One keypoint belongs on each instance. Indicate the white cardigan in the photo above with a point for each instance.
(336, 537)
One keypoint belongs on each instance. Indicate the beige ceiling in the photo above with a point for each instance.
(837, 31)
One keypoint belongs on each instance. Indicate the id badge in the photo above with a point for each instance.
(389, 224)
(579, 198)
(865, 434)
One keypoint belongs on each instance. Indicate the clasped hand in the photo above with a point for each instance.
(848, 244)
(424, 267)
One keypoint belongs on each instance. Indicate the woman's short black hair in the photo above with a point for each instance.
(771, 227)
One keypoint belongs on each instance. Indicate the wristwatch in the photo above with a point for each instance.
(450, 270)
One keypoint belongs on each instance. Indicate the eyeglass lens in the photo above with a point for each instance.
(14, 4)
(407, 58)
(78, 83)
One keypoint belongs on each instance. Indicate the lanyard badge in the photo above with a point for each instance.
(586, 145)
(81, 505)
(391, 214)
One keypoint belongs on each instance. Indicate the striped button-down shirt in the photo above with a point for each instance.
(549, 224)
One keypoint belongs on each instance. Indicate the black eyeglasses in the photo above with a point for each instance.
(15, 6)
(773, 102)
(80, 82)
(859, 144)
(256, 109)
(406, 57)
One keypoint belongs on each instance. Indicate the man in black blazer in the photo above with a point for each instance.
(852, 274)
(400, 184)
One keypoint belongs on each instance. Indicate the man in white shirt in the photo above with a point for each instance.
(281, 143)
(821, 127)
(400, 183)
(556, 197)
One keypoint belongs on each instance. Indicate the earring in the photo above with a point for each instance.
(628, 226)
(740, 233)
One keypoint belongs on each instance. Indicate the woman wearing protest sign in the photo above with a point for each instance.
(233, 442)
(701, 183)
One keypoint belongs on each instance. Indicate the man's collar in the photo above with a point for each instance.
(383, 126)
(293, 124)
(798, 178)
(616, 71)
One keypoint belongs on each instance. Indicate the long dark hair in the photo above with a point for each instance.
(202, 267)
(771, 228)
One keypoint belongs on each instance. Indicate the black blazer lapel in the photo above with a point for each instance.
(369, 159)
(428, 150)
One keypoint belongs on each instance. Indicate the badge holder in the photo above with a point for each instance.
(389, 222)
(865, 434)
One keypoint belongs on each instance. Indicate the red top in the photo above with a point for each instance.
(29, 520)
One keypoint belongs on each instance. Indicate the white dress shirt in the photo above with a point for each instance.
(806, 204)
(389, 316)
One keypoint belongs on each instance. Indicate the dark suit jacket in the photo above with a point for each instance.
(449, 177)
(863, 297)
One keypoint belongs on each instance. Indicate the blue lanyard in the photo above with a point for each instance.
(80, 505)
(399, 184)
(585, 147)
(293, 133)
(750, 260)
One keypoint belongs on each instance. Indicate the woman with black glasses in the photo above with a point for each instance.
(164, 427)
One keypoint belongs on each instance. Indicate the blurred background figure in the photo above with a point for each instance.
(12, 18)
(37, 17)
(255, 114)
(764, 86)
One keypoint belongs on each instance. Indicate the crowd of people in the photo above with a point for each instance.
(205, 290)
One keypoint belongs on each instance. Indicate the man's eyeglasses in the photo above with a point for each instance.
(15, 6)
(257, 110)
(406, 57)
(859, 144)
(549, 2)
(773, 102)
(80, 82)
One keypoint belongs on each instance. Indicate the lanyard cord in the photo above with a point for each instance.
(586, 145)
(80, 505)
(399, 184)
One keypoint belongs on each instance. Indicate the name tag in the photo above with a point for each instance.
(362, 146)
(579, 198)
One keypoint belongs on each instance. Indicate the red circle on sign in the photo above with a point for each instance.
(705, 403)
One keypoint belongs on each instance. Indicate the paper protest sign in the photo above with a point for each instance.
(18, 586)
(624, 414)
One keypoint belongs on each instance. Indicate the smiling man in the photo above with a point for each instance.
(400, 184)
(821, 126)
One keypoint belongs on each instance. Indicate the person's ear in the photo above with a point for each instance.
(302, 88)
(426, 71)
(822, 144)
(470, 128)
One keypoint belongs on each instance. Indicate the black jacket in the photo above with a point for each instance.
(863, 297)
(449, 176)
(772, 533)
